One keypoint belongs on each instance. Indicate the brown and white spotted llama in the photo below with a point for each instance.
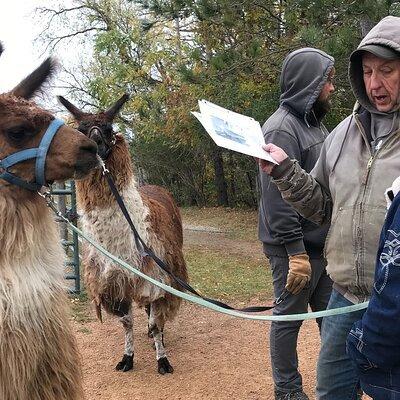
(38, 354)
(158, 221)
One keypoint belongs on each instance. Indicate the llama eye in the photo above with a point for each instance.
(18, 133)
(83, 128)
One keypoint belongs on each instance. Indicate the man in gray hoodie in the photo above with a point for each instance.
(293, 245)
(359, 159)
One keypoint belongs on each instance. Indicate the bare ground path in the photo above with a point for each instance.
(216, 357)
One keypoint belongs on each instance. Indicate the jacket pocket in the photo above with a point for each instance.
(333, 233)
(354, 347)
(339, 247)
(373, 220)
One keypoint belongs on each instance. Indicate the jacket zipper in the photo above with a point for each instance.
(359, 234)
(369, 164)
(372, 156)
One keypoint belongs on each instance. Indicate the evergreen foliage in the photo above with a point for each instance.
(168, 54)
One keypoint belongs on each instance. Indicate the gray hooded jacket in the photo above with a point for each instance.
(295, 128)
(348, 182)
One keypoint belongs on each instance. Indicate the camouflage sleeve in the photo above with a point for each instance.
(309, 195)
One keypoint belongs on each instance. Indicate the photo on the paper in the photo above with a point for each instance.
(221, 128)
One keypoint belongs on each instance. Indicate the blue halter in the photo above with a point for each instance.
(39, 153)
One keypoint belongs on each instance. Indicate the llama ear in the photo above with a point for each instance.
(29, 86)
(113, 110)
(75, 111)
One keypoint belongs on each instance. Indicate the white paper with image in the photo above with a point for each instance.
(232, 131)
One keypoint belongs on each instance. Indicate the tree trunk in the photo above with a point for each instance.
(232, 181)
(250, 178)
(366, 25)
(220, 181)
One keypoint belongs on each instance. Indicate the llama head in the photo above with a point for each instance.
(97, 127)
(22, 126)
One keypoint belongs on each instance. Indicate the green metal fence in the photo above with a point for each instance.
(66, 202)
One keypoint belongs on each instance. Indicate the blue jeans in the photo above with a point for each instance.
(336, 377)
(381, 385)
(378, 383)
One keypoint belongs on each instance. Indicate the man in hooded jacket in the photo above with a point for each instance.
(288, 239)
(359, 159)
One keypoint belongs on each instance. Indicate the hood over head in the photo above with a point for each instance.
(304, 74)
(383, 40)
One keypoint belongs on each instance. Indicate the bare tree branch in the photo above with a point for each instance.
(44, 10)
(54, 41)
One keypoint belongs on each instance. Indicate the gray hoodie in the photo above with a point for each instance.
(295, 128)
(348, 181)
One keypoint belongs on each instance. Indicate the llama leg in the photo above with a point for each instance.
(126, 363)
(150, 323)
(157, 327)
(147, 308)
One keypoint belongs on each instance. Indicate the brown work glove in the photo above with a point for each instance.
(299, 273)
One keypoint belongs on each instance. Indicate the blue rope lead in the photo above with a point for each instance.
(201, 302)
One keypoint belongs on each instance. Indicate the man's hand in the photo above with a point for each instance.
(276, 153)
(299, 273)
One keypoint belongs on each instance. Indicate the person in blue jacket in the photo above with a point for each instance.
(374, 341)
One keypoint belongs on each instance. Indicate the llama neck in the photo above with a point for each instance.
(27, 230)
(93, 192)
(30, 260)
(120, 165)
(102, 217)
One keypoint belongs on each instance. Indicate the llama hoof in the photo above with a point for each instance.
(125, 364)
(164, 367)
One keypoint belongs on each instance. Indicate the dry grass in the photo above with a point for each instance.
(229, 265)
(236, 223)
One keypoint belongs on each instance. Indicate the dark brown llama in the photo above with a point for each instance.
(38, 354)
(158, 221)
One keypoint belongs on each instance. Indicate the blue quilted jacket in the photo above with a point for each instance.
(374, 341)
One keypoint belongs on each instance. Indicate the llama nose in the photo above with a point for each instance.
(95, 134)
(97, 139)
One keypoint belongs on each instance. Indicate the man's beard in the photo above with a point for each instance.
(321, 108)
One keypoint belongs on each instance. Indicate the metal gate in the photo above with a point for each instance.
(66, 201)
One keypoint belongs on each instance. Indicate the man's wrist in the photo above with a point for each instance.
(281, 170)
(295, 247)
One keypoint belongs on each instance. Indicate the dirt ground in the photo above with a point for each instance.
(215, 357)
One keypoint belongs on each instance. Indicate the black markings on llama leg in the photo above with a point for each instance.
(147, 308)
(126, 363)
(157, 326)
(122, 308)
(164, 366)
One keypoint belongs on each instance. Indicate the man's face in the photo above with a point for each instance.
(323, 103)
(382, 81)
(328, 89)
